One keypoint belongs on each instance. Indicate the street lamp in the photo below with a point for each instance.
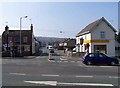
(20, 33)
(7, 32)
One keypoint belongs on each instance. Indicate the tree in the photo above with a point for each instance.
(118, 37)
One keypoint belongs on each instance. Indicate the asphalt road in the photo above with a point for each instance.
(39, 71)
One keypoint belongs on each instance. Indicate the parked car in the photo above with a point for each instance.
(51, 51)
(99, 58)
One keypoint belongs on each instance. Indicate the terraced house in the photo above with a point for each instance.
(98, 36)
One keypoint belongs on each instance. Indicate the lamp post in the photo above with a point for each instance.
(7, 32)
(20, 33)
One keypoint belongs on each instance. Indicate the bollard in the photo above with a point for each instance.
(49, 56)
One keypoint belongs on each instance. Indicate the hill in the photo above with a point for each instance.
(49, 40)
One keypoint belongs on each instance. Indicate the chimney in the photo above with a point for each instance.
(6, 28)
(31, 27)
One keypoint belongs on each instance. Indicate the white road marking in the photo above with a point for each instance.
(49, 75)
(59, 61)
(62, 59)
(51, 60)
(116, 77)
(54, 83)
(106, 66)
(72, 61)
(78, 61)
(84, 76)
(99, 66)
(17, 73)
(86, 84)
(65, 61)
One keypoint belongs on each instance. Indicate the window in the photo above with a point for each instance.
(102, 55)
(91, 55)
(102, 35)
(25, 39)
(85, 37)
(17, 39)
(9, 38)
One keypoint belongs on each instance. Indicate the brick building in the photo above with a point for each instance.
(12, 42)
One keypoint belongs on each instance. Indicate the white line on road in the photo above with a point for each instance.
(72, 61)
(116, 77)
(84, 76)
(51, 61)
(100, 66)
(65, 61)
(49, 75)
(86, 84)
(59, 61)
(54, 83)
(62, 59)
(17, 73)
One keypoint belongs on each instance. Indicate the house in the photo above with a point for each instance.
(98, 36)
(15, 45)
(68, 43)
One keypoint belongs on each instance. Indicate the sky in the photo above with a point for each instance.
(56, 19)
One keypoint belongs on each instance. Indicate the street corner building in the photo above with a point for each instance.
(98, 36)
(19, 42)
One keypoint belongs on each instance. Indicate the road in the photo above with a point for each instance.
(39, 71)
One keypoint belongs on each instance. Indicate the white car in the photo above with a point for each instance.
(50, 47)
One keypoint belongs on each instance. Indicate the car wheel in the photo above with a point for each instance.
(89, 63)
(113, 63)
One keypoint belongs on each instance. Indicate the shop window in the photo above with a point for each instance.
(100, 48)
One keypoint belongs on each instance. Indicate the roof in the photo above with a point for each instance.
(92, 25)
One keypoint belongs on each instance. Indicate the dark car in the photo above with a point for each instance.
(99, 58)
(51, 51)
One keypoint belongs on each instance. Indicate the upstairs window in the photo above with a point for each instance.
(102, 35)
(25, 39)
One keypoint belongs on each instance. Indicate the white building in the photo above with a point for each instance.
(99, 36)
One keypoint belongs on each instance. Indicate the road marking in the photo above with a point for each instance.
(85, 84)
(106, 66)
(59, 61)
(62, 59)
(17, 73)
(55, 83)
(116, 77)
(99, 66)
(51, 60)
(65, 61)
(84, 76)
(78, 61)
(72, 61)
(49, 75)
(52, 83)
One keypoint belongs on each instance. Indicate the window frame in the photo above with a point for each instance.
(102, 34)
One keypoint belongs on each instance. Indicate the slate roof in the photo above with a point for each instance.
(92, 25)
